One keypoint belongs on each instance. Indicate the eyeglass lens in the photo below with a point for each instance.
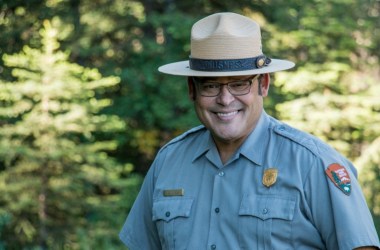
(210, 88)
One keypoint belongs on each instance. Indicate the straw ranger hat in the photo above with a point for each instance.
(226, 44)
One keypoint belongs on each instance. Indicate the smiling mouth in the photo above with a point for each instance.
(227, 115)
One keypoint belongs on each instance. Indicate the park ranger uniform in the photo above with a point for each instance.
(283, 189)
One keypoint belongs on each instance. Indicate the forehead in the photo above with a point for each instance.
(224, 78)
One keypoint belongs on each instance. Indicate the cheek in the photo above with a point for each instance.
(202, 104)
(252, 101)
(201, 109)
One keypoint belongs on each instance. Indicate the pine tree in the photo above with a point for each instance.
(56, 172)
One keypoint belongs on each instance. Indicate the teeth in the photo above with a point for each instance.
(227, 114)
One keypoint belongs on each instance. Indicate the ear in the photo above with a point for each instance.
(265, 82)
(191, 88)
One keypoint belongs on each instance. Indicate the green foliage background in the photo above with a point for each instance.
(83, 109)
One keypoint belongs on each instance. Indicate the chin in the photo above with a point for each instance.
(227, 137)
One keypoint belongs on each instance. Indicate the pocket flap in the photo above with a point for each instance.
(168, 209)
(268, 207)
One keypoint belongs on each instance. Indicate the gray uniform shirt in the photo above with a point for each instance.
(190, 200)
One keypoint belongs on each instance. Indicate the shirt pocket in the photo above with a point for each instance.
(172, 221)
(265, 221)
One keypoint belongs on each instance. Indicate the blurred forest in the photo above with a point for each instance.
(83, 109)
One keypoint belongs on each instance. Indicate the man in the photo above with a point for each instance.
(244, 180)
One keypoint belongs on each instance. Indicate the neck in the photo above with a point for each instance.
(227, 148)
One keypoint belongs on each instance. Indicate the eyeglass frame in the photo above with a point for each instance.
(250, 80)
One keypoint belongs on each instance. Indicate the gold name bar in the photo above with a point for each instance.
(174, 192)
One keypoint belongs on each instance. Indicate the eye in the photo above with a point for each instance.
(239, 85)
(210, 85)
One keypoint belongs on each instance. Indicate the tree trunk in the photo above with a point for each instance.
(42, 215)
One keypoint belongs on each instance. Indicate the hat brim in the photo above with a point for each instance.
(182, 68)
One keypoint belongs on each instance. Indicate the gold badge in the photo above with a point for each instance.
(174, 192)
(270, 176)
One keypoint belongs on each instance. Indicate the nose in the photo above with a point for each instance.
(225, 97)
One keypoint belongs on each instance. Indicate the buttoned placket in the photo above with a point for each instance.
(214, 233)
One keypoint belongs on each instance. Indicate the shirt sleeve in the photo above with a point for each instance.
(343, 220)
(139, 230)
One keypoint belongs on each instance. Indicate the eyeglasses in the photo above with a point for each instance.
(211, 89)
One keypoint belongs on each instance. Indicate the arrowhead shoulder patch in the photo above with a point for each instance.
(340, 177)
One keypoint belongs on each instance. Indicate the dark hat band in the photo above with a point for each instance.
(229, 64)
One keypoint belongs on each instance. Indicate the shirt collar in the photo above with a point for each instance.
(256, 142)
(205, 144)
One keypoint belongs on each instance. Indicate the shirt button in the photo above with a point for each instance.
(213, 246)
(221, 174)
(265, 210)
(217, 210)
(167, 214)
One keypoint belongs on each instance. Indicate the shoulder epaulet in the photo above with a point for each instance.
(184, 135)
(336, 167)
(304, 139)
(322, 150)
